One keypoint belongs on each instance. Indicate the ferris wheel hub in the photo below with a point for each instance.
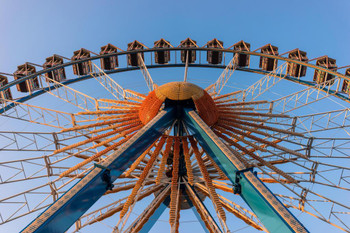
(182, 94)
(179, 91)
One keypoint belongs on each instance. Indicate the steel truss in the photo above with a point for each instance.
(265, 135)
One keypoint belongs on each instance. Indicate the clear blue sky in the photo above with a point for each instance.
(36, 29)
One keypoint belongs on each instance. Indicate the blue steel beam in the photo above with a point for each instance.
(77, 200)
(210, 220)
(151, 221)
(152, 213)
(271, 212)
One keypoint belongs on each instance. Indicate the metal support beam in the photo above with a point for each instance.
(149, 81)
(271, 212)
(149, 217)
(224, 77)
(199, 209)
(75, 202)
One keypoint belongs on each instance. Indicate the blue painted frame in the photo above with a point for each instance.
(270, 211)
(64, 212)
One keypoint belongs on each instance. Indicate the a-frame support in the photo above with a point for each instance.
(270, 211)
(198, 207)
(77, 200)
(149, 217)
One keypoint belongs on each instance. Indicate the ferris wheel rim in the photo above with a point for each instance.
(150, 50)
(40, 91)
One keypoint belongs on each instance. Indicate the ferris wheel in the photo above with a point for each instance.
(268, 151)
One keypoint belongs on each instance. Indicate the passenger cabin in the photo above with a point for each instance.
(322, 76)
(293, 69)
(268, 64)
(82, 68)
(58, 74)
(109, 63)
(133, 59)
(188, 43)
(6, 94)
(162, 57)
(214, 57)
(30, 84)
(346, 83)
(243, 60)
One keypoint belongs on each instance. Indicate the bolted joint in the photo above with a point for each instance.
(237, 188)
(106, 177)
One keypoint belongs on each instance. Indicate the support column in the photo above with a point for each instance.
(64, 212)
(271, 212)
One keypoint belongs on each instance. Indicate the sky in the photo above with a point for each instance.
(32, 30)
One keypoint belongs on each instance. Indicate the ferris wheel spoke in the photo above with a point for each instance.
(276, 136)
(226, 98)
(245, 215)
(108, 83)
(329, 184)
(149, 81)
(118, 130)
(304, 97)
(145, 174)
(147, 214)
(208, 182)
(175, 224)
(220, 185)
(137, 162)
(123, 131)
(165, 155)
(201, 209)
(121, 94)
(139, 196)
(36, 114)
(257, 158)
(111, 209)
(188, 162)
(220, 83)
(217, 168)
(232, 114)
(68, 94)
(238, 130)
(96, 215)
(240, 104)
(264, 84)
(97, 155)
(175, 188)
(261, 126)
(240, 212)
(89, 218)
(119, 121)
